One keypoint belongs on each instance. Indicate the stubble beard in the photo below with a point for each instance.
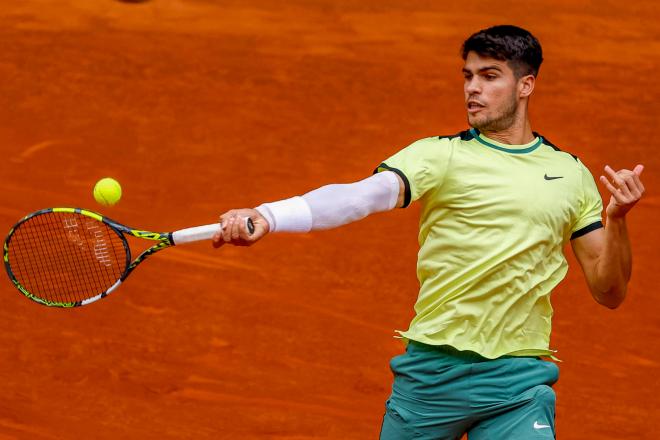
(500, 122)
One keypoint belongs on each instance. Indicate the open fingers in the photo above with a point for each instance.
(637, 172)
(633, 181)
(638, 183)
(619, 182)
(626, 186)
(616, 193)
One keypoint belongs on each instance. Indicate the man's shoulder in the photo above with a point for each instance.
(465, 135)
(443, 140)
(553, 147)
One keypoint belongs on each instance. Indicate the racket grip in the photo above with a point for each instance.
(206, 232)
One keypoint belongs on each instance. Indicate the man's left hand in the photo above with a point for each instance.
(626, 188)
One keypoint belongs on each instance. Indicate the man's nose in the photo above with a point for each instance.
(472, 86)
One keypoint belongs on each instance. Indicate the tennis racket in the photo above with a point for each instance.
(69, 257)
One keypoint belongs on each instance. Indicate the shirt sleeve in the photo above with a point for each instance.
(422, 166)
(591, 206)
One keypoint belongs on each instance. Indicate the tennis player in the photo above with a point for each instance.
(499, 202)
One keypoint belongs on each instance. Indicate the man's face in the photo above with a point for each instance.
(490, 90)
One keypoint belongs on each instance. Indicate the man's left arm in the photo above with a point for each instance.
(604, 254)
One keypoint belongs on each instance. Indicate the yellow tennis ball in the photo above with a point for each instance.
(107, 191)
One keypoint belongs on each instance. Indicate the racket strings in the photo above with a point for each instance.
(38, 281)
(66, 257)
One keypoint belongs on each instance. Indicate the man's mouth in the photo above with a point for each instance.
(474, 106)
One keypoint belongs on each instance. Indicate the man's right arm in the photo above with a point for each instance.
(327, 207)
(402, 192)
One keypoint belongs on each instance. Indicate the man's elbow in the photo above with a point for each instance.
(612, 298)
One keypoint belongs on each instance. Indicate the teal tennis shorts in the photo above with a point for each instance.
(441, 393)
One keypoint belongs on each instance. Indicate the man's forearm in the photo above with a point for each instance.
(333, 205)
(614, 264)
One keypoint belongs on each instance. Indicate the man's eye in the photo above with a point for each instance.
(491, 77)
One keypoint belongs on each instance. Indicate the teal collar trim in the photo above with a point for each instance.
(488, 143)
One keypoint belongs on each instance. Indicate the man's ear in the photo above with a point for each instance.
(526, 85)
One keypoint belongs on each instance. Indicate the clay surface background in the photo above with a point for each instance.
(198, 106)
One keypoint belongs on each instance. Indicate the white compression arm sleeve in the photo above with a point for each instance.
(333, 205)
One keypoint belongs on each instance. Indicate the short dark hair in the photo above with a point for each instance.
(518, 47)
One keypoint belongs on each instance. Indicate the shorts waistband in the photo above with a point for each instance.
(464, 355)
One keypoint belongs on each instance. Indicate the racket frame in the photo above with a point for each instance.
(164, 240)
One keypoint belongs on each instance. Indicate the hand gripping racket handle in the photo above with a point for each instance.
(205, 232)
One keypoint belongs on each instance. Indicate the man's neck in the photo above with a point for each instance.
(518, 133)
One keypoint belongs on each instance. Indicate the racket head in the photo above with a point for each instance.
(66, 257)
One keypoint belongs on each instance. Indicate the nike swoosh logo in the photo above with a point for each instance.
(539, 426)
(546, 177)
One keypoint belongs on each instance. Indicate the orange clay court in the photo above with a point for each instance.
(291, 339)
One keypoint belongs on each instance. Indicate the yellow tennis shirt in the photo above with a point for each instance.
(494, 222)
